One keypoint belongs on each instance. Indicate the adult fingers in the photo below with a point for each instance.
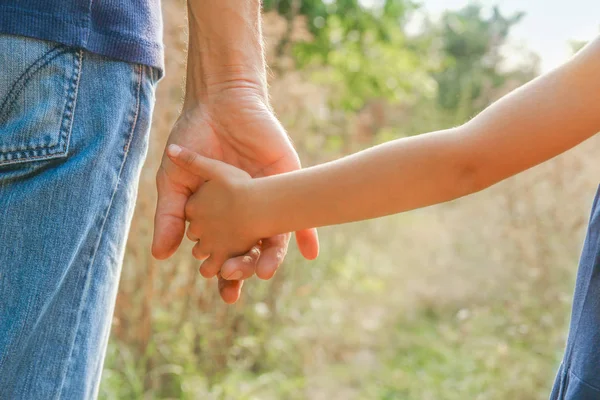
(308, 243)
(230, 291)
(242, 267)
(272, 255)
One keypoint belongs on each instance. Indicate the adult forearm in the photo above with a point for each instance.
(225, 48)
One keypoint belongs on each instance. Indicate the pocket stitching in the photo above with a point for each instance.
(69, 112)
(21, 82)
(61, 148)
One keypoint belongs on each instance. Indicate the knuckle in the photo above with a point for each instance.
(280, 254)
(248, 260)
(252, 256)
(190, 158)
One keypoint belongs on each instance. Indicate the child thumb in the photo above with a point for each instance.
(194, 162)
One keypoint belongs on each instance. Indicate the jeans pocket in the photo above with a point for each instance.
(38, 92)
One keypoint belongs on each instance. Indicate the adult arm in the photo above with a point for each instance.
(226, 116)
(534, 123)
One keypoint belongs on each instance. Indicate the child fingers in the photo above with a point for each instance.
(191, 236)
(211, 266)
(199, 252)
(193, 232)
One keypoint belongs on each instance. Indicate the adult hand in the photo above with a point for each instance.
(235, 125)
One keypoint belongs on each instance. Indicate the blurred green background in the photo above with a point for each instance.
(466, 300)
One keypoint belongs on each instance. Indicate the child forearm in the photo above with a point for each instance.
(535, 123)
(390, 178)
(539, 121)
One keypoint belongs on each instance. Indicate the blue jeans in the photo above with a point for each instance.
(73, 137)
(579, 375)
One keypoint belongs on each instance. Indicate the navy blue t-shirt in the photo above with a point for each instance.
(129, 30)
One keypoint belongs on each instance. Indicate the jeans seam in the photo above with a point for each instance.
(98, 242)
(69, 114)
(73, 99)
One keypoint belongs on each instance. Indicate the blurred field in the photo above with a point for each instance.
(466, 300)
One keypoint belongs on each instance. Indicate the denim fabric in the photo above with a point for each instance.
(73, 136)
(128, 30)
(579, 375)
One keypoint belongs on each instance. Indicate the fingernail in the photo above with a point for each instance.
(235, 276)
(173, 150)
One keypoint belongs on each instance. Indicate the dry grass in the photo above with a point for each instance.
(465, 300)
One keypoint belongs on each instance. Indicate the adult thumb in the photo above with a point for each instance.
(169, 220)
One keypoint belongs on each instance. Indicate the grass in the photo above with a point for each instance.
(415, 306)
(467, 300)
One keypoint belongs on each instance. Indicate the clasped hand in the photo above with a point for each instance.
(222, 219)
(233, 125)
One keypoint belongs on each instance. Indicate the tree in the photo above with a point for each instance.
(361, 50)
(472, 47)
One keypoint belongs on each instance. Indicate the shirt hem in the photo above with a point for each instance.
(75, 33)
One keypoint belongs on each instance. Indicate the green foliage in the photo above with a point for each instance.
(363, 53)
(364, 49)
(320, 342)
(410, 307)
(362, 67)
(471, 44)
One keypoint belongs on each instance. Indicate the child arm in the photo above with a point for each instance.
(542, 119)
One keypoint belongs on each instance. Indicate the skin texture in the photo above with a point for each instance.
(544, 118)
(226, 116)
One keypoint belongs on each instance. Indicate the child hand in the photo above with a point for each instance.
(221, 216)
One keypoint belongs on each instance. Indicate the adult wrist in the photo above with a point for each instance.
(225, 49)
(204, 85)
